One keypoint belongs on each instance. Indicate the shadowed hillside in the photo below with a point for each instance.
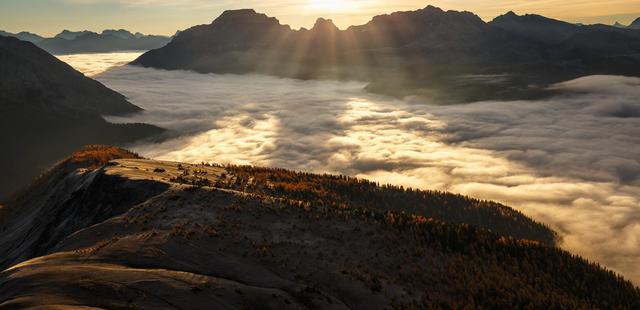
(47, 109)
(130, 233)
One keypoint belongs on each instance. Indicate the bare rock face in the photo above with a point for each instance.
(107, 229)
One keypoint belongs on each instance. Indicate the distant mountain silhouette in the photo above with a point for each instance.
(72, 42)
(121, 33)
(72, 35)
(635, 24)
(68, 42)
(409, 52)
(619, 25)
(24, 36)
(47, 109)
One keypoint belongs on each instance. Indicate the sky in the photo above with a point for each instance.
(49, 17)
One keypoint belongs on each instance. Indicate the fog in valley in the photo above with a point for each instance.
(570, 161)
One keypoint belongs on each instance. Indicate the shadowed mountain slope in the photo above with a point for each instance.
(47, 109)
(427, 50)
(137, 233)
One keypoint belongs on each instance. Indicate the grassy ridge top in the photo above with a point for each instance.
(200, 236)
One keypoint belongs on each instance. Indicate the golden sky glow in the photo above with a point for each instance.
(48, 17)
(331, 5)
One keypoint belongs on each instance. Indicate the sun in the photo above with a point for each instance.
(332, 5)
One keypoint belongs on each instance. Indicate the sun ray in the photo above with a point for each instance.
(329, 5)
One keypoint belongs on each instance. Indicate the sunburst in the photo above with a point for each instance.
(330, 5)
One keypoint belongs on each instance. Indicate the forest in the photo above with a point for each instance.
(347, 192)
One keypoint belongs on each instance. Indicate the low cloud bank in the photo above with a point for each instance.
(570, 161)
(92, 64)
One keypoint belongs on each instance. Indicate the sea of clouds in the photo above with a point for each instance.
(570, 161)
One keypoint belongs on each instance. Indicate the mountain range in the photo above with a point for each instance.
(450, 55)
(72, 42)
(108, 229)
(48, 109)
(24, 36)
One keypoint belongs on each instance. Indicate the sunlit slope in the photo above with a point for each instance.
(148, 234)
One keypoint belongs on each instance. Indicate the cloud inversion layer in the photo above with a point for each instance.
(570, 161)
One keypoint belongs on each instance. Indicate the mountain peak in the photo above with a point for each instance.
(237, 14)
(240, 12)
(434, 9)
(121, 33)
(72, 35)
(635, 24)
(323, 24)
(510, 14)
(244, 16)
